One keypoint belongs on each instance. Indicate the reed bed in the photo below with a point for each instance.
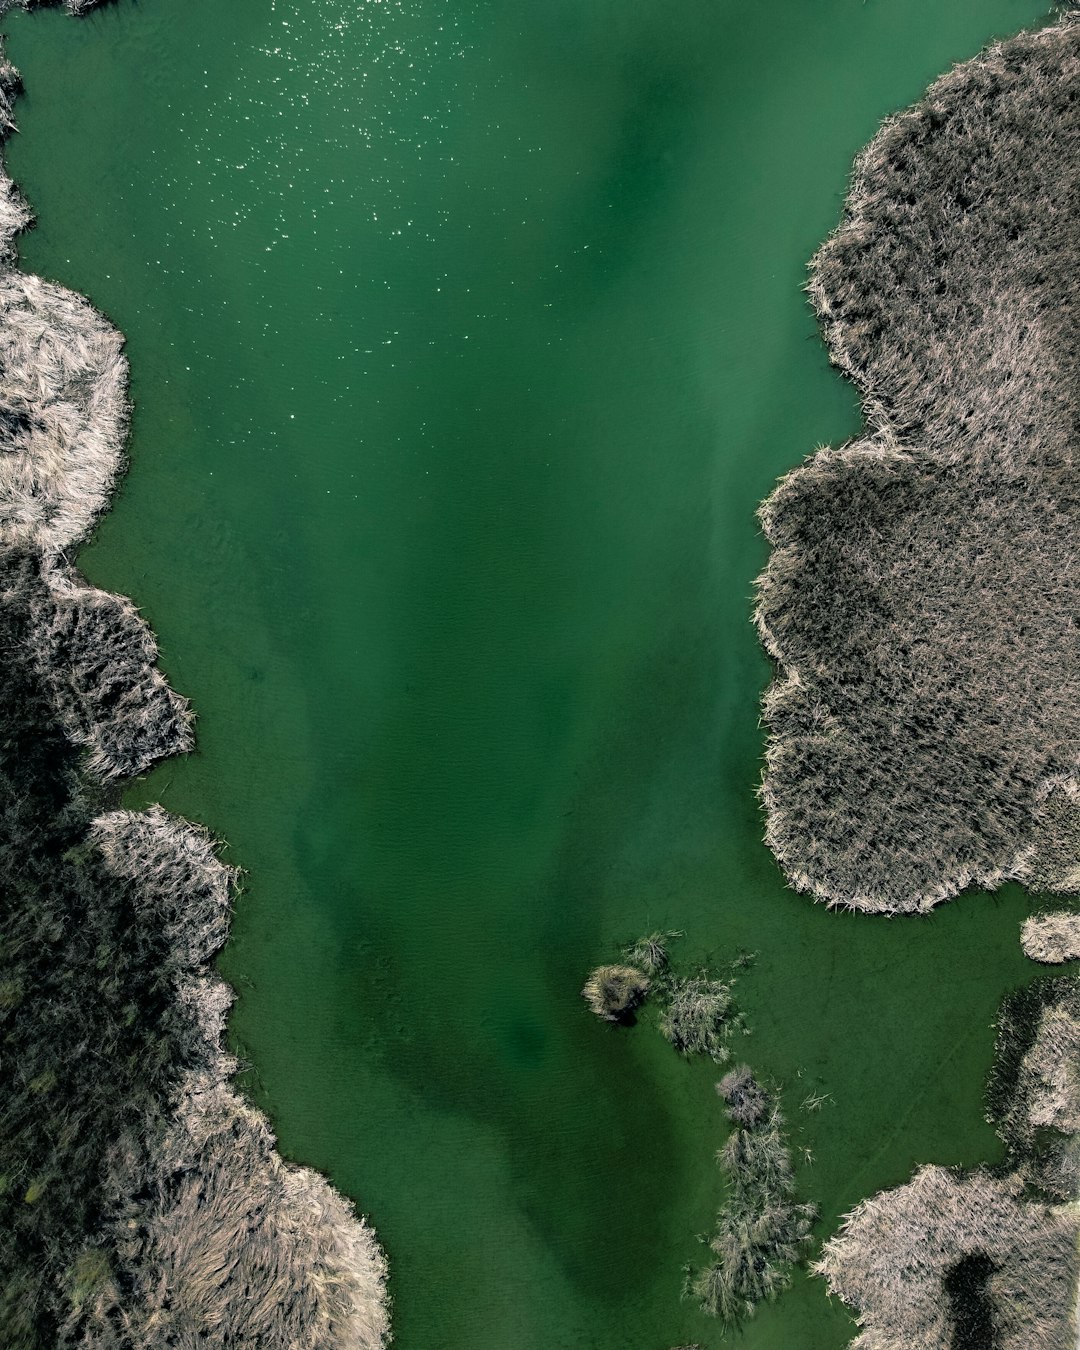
(965, 1262)
(897, 1256)
(234, 1247)
(920, 605)
(920, 596)
(63, 410)
(142, 1201)
(1052, 938)
(1033, 1095)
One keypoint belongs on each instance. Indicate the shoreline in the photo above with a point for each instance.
(196, 1224)
(922, 724)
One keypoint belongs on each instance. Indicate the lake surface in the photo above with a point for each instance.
(466, 338)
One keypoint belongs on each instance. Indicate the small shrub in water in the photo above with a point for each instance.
(613, 992)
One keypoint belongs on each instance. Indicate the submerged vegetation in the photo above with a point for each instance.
(142, 1203)
(762, 1230)
(920, 600)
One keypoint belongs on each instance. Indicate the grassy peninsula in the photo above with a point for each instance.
(920, 600)
(142, 1202)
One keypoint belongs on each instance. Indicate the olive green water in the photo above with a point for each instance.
(465, 339)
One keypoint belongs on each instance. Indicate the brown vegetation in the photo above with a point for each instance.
(1052, 938)
(613, 992)
(650, 953)
(920, 600)
(1033, 1096)
(100, 659)
(893, 1258)
(699, 1017)
(747, 1101)
(142, 1203)
(761, 1231)
(63, 412)
(956, 1261)
(920, 603)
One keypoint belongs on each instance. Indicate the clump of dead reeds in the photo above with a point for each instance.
(697, 1013)
(747, 1101)
(920, 594)
(762, 1230)
(614, 992)
(1052, 938)
(142, 1201)
(652, 953)
(699, 1016)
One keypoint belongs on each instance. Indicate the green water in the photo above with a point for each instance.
(465, 339)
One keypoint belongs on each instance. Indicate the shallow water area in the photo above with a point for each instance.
(465, 340)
